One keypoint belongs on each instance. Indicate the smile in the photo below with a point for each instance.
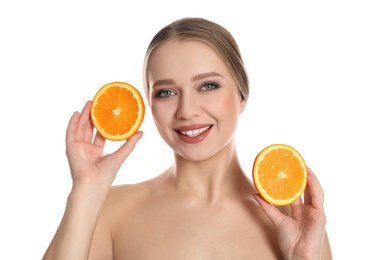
(195, 132)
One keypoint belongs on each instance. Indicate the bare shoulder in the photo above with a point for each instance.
(123, 199)
(128, 193)
(123, 203)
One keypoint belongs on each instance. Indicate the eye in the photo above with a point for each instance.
(209, 86)
(164, 93)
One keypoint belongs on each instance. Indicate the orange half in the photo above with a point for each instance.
(117, 111)
(280, 174)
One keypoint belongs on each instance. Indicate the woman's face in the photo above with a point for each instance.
(194, 100)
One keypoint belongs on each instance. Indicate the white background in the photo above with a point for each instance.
(312, 68)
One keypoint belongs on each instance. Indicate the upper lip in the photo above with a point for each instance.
(192, 127)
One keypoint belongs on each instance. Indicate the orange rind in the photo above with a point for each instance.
(280, 174)
(117, 111)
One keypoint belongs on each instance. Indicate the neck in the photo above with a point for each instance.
(212, 179)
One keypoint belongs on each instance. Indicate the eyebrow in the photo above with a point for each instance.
(194, 78)
(163, 82)
(205, 75)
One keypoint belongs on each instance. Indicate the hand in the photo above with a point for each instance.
(87, 163)
(300, 235)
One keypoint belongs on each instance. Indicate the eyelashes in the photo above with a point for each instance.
(165, 93)
(210, 86)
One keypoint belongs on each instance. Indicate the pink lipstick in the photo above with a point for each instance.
(194, 133)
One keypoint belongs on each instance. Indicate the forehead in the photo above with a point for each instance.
(184, 58)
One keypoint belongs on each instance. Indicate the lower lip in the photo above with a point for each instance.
(196, 139)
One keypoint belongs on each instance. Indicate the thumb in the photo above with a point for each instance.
(274, 215)
(122, 153)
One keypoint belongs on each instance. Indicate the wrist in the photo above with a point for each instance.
(83, 188)
(88, 199)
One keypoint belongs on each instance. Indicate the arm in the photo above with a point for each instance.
(73, 237)
(92, 175)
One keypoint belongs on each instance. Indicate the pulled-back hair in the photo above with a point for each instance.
(210, 33)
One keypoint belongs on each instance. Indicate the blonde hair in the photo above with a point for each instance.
(210, 33)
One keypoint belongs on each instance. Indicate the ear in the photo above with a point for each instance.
(242, 105)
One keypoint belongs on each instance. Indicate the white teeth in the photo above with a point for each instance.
(196, 132)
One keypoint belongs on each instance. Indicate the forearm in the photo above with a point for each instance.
(74, 235)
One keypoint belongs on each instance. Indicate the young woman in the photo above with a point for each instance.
(203, 206)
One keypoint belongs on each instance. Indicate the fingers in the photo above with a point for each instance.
(275, 216)
(82, 125)
(122, 153)
(88, 134)
(296, 208)
(99, 140)
(314, 194)
(318, 185)
(307, 194)
(72, 126)
(80, 128)
(297, 203)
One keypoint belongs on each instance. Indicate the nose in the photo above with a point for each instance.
(188, 107)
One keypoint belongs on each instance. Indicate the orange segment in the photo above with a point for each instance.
(280, 174)
(117, 111)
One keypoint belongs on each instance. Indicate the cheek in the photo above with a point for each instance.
(226, 106)
(156, 113)
(162, 115)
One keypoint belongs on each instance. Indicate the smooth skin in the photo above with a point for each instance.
(202, 207)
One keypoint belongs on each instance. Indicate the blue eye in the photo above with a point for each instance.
(164, 93)
(210, 86)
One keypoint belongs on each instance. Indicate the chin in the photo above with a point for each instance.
(194, 157)
(200, 154)
(202, 151)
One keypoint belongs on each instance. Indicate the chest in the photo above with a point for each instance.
(217, 232)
